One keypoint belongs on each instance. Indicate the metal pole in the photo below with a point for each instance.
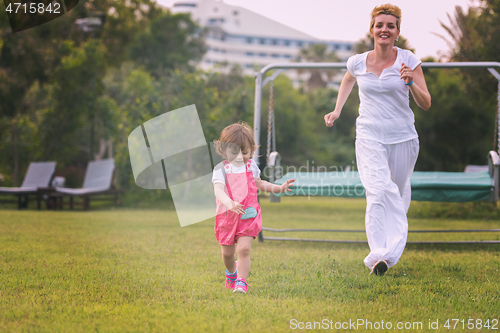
(256, 115)
(497, 129)
(496, 138)
(269, 123)
(340, 65)
(497, 122)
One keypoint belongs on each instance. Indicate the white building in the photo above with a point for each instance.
(239, 36)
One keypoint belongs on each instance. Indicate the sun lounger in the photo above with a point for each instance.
(98, 181)
(39, 174)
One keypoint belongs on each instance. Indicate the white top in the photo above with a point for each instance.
(218, 176)
(384, 112)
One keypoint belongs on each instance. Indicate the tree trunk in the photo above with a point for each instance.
(105, 146)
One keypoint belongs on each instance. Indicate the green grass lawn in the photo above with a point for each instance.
(131, 270)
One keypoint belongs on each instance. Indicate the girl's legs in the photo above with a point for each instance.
(229, 257)
(243, 248)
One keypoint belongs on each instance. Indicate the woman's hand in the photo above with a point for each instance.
(406, 73)
(418, 88)
(345, 89)
(285, 186)
(331, 117)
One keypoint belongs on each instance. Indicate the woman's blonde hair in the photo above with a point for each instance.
(386, 9)
(239, 134)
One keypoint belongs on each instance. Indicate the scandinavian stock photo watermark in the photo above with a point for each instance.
(484, 324)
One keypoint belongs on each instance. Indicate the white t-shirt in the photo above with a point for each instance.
(384, 112)
(218, 176)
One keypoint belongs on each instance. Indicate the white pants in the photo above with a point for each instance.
(385, 172)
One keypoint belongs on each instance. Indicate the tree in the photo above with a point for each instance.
(456, 130)
(475, 36)
(236, 97)
(475, 33)
(30, 57)
(318, 78)
(125, 20)
(25, 57)
(170, 42)
(336, 142)
(69, 106)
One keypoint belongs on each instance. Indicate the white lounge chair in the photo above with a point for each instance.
(39, 174)
(98, 181)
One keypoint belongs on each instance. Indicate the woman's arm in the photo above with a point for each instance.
(221, 195)
(345, 90)
(273, 188)
(419, 88)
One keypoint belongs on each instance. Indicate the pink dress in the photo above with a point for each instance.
(229, 226)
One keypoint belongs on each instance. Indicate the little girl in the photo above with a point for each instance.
(238, 220)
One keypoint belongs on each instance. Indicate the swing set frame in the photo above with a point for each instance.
(260, 83)
(274, 158)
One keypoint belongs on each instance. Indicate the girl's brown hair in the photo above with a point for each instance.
(386, 9)
(240, 134)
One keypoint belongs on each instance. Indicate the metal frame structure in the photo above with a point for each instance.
(260, 82)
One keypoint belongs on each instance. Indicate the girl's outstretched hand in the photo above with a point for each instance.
(237, 208)
(285, 186)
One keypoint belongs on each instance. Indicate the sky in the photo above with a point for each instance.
(348, 20)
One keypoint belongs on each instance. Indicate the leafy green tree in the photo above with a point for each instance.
(136, 98)
(31, 57)
(235, 93)
(295, 120)
(456, 130)
(336, 142)
(69, 104)
(125, 20)
(170, 42)
(475, 36)
(318, 78)
(474, 33)
(25, 57)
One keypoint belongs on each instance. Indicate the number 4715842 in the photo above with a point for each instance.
(471, 324)
(33, 8)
